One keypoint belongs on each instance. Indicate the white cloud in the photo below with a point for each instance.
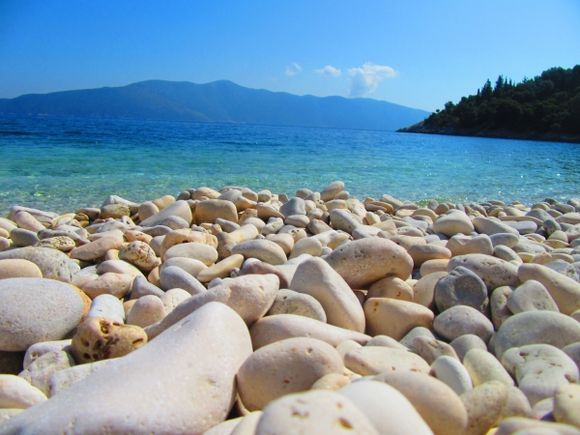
(366, 79)
(293, 69)
(329, 70)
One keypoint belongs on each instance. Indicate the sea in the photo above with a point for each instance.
(62, 164)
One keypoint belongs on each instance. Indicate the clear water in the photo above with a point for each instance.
(61, 164)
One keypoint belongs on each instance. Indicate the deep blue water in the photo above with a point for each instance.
(61, 164)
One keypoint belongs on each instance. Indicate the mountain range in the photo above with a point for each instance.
(219, 101)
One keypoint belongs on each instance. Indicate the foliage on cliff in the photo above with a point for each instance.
(545, 107)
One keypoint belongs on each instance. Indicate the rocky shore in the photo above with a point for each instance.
(242, 312)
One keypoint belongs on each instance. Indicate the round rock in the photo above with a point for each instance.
(460, 320)
(461, 287)
(284, 367)
(36, 309)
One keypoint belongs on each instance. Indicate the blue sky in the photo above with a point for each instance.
(419, 53)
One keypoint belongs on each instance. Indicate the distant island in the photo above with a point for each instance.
(220, 101)
(546, 107)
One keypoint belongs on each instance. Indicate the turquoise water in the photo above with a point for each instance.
(61, 164)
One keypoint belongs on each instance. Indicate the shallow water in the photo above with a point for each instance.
(61, 164)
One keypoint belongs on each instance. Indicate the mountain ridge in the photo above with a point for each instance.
(217, 101)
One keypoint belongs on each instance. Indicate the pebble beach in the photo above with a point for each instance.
(238, 311)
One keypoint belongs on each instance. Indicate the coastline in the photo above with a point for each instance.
(495, 134)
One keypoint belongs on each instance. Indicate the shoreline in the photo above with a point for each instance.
(270, 310)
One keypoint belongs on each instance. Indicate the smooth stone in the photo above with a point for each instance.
(493, 271)
(484, 405)
(19, 268)
(39, 372)
(37, 350)
(179, 208)
(281, 326)
(307, 245)
(284, 367)
(292, 302)
(221, 269)
(523, 227)
(365, 261)
(432, 266)
(565, 291)
(384, 340)
(185, 235)
(316, 411)
(331, 381)
(461, 286)
(539, 369)
(460, 320)
(454, 222)
(462, 245)
(210, 210)
(482, 367)
(536, 327)
(331, 190)
(394, 317)
(491, 226)
(190, 265)
(117, 266)
(344, 220)
(53, 309)
(146, 311)
(317, 279)
(109, 307)
(116, 284)
(52, 263)
(386, 407)
(464, 343)
(65, 378)
(175, 277)
(141, 287)
(567, 404)
(424, 289)
(7, 413)
(498, 305)
(248, 424)
(573, 351)
(439, 406)
(16, 393)
(531, 296)
(139, 254)
(422, 253)
(172, 298)
(295, 206)
(208, 255)
(21, 237)
(418, 331)
(452, 373)
(183, 372)
(96, 249)
(522, 425)
(251, 296)
(391, 287)
(372, 360)
(262, 249)
(430, 348)
(508, 254)
(99, 338)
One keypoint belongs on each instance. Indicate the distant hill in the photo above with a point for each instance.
(220, 101)
(546, 107)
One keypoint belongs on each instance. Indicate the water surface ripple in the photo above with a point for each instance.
(61, 163)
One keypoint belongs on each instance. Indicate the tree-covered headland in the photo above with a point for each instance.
(546, 107)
